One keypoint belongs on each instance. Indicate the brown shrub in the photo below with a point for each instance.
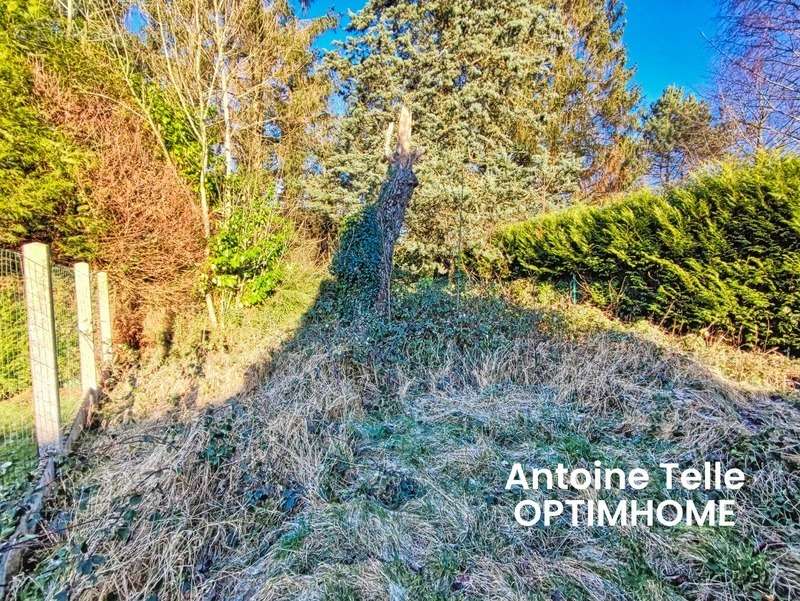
(149, 238)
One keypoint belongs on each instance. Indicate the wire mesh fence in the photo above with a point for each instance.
(14, 373)
(18, 450)
(37, 299)
(67, 353)
(51, 319)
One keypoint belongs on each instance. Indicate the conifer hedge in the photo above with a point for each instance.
(720, 253)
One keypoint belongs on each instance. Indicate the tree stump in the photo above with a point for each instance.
(393, 200)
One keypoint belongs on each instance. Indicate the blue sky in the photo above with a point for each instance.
(667, 40)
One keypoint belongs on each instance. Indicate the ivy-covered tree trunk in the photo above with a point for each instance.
(363, 262)
(393, 200)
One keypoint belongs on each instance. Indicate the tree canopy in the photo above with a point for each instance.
(519, 104)
(679, 134)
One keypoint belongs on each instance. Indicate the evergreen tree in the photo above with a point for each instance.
(38, 164)
(507, 104)
(595, 99)
(718, 254)
(679, 134)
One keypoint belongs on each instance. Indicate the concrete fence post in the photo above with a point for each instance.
(42, 345)
(83, 300)
(104, 310)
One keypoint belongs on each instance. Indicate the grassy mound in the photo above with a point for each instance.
(723, 253)
(368, 461)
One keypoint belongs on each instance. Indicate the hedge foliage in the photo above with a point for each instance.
(720, 253)
(39, 165)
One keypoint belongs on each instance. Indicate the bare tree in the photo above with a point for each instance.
(233, 68)
(759, 72)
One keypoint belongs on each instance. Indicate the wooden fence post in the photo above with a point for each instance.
(83, 299)
(42, 345)
(104, 309)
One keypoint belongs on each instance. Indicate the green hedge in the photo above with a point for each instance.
(721, 252)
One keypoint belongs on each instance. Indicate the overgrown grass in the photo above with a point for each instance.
(367, 460)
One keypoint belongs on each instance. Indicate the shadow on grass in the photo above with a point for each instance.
(368, 456)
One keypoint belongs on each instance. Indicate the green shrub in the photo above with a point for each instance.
(246, 253)
(722, 252)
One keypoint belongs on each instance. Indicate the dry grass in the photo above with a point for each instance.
(184, 366)
(764, 369)
(369, 463)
